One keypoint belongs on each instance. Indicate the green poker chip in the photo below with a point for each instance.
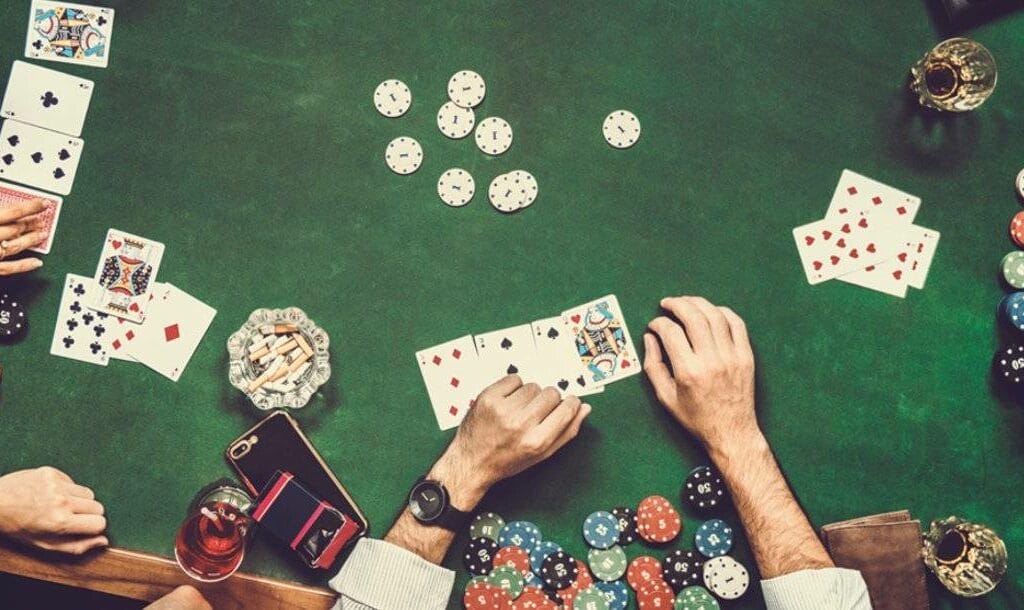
(608, 564)
(695, 598)
(1013, 269)
(486, 525)
(509, 579)
(590, 598)
(475, 579)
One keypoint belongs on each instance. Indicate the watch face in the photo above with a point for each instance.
(427, 501)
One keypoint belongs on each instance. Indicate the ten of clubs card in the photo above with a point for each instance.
(69, 33)
(125, 274)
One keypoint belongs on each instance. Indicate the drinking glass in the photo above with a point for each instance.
(210, 544)
(957, 75)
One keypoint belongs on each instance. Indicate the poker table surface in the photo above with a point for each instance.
(243, 136)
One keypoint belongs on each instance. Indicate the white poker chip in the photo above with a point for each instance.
(455, 121)
(726, 577)
(621, 129)
(1020, 184)
(455, 187)
(392, 98)
(466, 88)
(404, 155)
(504, 195)
(527, 185)
(493, 135)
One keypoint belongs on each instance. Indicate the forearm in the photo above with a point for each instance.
(780, 535)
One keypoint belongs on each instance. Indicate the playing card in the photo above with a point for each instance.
(39, 157)
(124, 332)
(510, 351)
(69, 33)
(833, 247)
(47, 98)
(80, 333)
(557, 362)
(11, 194)
(922, 243)
(125, 274)
(603, 345)
(172, 331)
(909, 267)
(450, 372)
(856, 193)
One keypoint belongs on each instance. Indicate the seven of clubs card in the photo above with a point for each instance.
(11, 195)
(39, 157)
(124, 276)
(603, 345)
(80, 332)
(174, 326)
(69, 33)
(47, 98)
(451, 375)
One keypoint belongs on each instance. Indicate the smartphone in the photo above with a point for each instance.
(276, 443)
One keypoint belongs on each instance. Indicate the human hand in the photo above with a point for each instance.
(708, 382)
(44, 508)
(510, 428)
(184, 597)
(20, 228)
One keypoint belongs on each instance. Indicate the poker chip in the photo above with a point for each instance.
(540, 552)
(583, 580)
(479, 555)
(657, 521)
(641, 570)
(601, 529)
(616, 593)
(454, 121)
(519, 533)
(1008, 365)
(456, 187)
(466, 88)
(655, 595)
(527, 185)
(1011, 310)
(1020, 184)
(13, 322)
(514, 557)
(392, 98)
(486, 525)
(559, 570)
(504, 196)
(704, 489)
(607, 564)
(726, 577)
(485, 596)
(713, 538)
(1013, 269)
(682, 569)
(695, 598)
(621, 129)
(403, 155)
(590, 598)
(509, 579)
(627, 524)
(1017, 229)
(493, 135)
(533, 598)
(532, 580)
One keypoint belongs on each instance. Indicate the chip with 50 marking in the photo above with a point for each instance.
(559, 570)
(540, 552)
(493, 135)
(682, 568)
(621, 129)
(627, 524)
(704, 489)
(13, 322)
(404, 155)
(479, 556)
(454, 121)
(456, 188)
(392, 98)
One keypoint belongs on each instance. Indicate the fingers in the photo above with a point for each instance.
(83, 506)
(22, 209)
(85, 525)
(80, 546)
(719, 326)
(14, 229)
(698, 329)
(525, 394)
(553, 426)
(738, 330)
(544, 403)
(56, 473)
(22, 242)
(677, 346)
(658, 372)
(571, 431)
(503, 387)
(19, 266)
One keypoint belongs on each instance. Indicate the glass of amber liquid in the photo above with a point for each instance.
(210, 544)
(968, 558)
(957, 75)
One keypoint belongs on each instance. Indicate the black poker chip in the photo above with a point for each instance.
(559, 570)
(479, 556)
(13, 322)
(682, 569)
(1008, 366)
(627, 524)
(704, 489)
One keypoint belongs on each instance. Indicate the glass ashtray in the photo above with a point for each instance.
(279, 358)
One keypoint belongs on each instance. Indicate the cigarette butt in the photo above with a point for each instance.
(255, 384)
(278, 329)
(260, 353)
(279, 373)
(267, 358)
(276, 362)
(279, 342)
(294, 354)
(281, 388)
(258, 345)
(304, 345)
(293, 376)
(287, 347)
(301, 360)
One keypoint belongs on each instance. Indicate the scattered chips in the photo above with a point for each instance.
(540, 552)
(466, 88)
(392, 98)
(726, 577)
(607, 564)
(627, 524)
(704, 489)
(527, 184)
(657, 520)
(13, 322)
(621, 129)
(403, 155)
(479, 556)
(615, 593)
(559, 570)
(641, 570)
(1008, 364)
(456, 187)
(509, 579)
(590, 598)
(713, 538)
(601, 529)
(682, 569)
(695, 598)
(519, 533)
(493, 135)
(655, 595)
(454, 121)
(514, 557)
(1013, 269)
(485, 596)
(504, 195)
(486, 525)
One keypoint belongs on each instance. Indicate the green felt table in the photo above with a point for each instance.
(243, 136)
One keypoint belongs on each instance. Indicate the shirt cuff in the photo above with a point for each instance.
(381, 575)
(825, 589)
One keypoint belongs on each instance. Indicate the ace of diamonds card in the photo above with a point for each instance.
(125, 274)
(176, 323)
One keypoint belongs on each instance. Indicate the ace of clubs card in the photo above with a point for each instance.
(125, 274)
(603, 346)
(175, 325)
(558, 364)
(510, 351)
(80, 333)
(47, 98)
(450, 372)
(69, 33)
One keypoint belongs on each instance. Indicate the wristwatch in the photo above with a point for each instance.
(430, 504)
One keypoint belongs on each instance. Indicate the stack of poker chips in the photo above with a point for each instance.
(513, 566)
(1008, 361)
(280, 355)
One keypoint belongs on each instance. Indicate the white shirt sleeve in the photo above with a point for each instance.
(826, 589)
(381, 576)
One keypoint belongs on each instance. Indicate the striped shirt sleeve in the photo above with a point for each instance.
(826, 589)
(381, 576)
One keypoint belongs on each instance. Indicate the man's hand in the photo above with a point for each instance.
(21, 227)
(710, 385)
(43, 507)
(182, 598)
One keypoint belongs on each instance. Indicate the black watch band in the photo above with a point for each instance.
(430, 504)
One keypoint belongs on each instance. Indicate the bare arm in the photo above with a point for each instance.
(701, 365)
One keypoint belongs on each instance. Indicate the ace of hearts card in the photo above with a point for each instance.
(604, 348)
(69, 33)
(125, 274)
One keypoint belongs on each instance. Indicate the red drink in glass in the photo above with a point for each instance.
(211, 543)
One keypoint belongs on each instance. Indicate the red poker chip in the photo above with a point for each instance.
(655, 596)
(641, 570)
(533, 598)
(660, 521)
(1017, 229)
(584, 579)
(515, 557)
(485, 596)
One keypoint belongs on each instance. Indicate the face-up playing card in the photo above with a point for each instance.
(510, 351)
(833, 247)
(47, 98)
(603, 345)
(39, 157)
(69, 33)
(557, 362)
(452, 376)
(11, 194)
(856, 193)
(172, 331)
(80, 333)
(124, 332)
(909, 267)
(922, 244)
(125, 274)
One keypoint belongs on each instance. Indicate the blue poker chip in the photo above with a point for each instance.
(616, 592)
(522, 534)
(713, 538)
(540, 552)
(601, 529)
(532, 580)
(1011, 310)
